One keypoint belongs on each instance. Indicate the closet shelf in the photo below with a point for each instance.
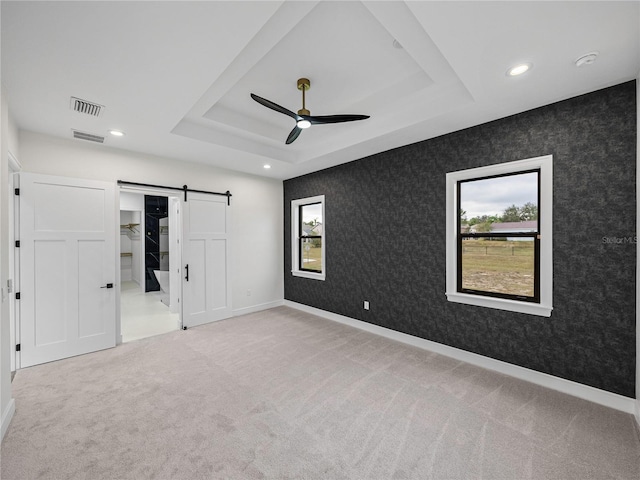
(130, 226)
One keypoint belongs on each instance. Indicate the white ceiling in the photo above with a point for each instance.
(176, 76)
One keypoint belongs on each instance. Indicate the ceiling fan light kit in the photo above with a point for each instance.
(303, 118)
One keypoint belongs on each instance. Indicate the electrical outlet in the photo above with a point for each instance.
(248, 293)
(366, 305)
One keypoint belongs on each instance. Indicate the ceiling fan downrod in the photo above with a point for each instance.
(304, 84)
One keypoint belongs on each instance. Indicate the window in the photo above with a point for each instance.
(498, 248)
(499, 236)
(307, 243)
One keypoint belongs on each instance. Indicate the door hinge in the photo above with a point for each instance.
(16, 191)
(17, 243)
(18, 347)
(17, 295)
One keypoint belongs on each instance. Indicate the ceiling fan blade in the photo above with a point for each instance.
(318, 120)
(293, 135)
(274, 106)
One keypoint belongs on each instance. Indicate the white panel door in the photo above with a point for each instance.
(206, 291)
(67, 267)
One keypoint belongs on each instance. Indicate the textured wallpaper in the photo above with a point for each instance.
(385, 237)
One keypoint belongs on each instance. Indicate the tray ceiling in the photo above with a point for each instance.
(176, 76)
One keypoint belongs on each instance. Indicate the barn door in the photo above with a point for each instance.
(205, 287)
(67, 267)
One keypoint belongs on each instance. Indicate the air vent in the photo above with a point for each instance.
(88, 136)
(83, 106)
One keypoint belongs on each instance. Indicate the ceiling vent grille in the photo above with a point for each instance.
(83, 106)
(88, 136)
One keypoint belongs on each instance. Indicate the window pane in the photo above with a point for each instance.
(508, 203)
(503, 266)
(311, 254)
(311, 217)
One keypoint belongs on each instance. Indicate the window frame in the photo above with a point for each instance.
(535, 237)
(542, 305)
(297, 269)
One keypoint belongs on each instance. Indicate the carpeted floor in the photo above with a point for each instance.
(284, 394)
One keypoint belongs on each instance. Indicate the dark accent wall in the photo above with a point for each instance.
(385, 237)
(155, 209)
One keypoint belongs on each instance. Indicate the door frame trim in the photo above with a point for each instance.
(14, 260)
(133, 188)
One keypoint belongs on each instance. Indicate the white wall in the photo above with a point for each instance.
(256, 204)
(126, 246)
(134, 204)
(131, 201)
(137, 249)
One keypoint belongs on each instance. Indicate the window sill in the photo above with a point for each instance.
(500, 304)
(314, 276)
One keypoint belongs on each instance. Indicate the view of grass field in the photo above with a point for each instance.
(498, 266)
(311, 257)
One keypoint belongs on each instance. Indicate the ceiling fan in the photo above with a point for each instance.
(303, 118)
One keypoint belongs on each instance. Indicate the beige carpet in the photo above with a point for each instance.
(283, 394)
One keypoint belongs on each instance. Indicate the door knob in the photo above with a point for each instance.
(108, 285)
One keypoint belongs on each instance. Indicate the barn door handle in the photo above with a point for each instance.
(108, 285)
(186, 268)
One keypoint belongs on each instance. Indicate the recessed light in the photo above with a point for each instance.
(266, 166)
(518, 69)
(116, 133)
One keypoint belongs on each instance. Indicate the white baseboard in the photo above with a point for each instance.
(579, 390)
(7, 415)
(257, 308)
